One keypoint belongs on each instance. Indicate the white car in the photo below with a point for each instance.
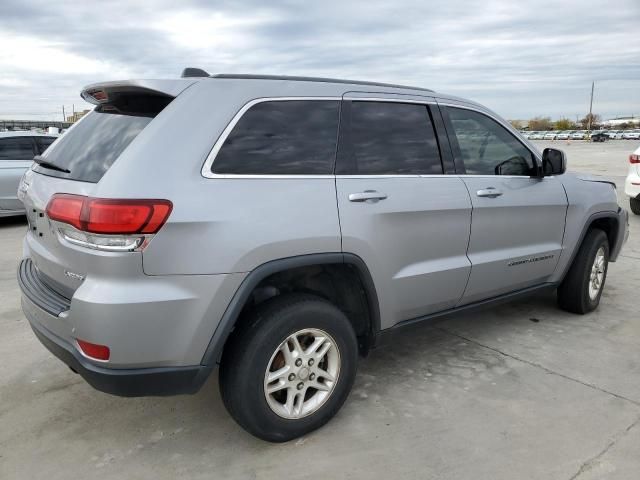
(536, 136)
(612, 133)
(632, 183)
(631, 135)
(565, 135)
(579, 135)
(550, 136)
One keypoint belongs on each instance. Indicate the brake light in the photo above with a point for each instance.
(109, 216)
(633, 158)
(94, 350)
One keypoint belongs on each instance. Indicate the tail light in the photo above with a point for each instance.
(108, 224)
(634, 158)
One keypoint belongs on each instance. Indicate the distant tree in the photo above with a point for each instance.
(623, 126)
(595, 120)
(540, 123)
(564, 124)
(517, 124)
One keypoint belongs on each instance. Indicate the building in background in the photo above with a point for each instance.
(615, 122)
(76, 116)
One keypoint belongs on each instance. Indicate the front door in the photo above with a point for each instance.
(517, 224)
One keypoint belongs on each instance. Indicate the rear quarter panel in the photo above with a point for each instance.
(222, 225)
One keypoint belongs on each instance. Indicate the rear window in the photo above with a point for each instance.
(89, 149)
(16, 148)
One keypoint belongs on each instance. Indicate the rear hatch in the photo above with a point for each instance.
(75, 164)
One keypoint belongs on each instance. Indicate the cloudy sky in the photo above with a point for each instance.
(521, 58)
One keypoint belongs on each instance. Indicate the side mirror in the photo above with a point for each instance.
(554, 161)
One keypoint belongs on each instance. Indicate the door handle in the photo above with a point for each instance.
(490, 192)
(367, 195)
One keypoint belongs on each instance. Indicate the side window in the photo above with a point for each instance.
(387, 138)
(44, 142)
(485, 146)
(16, 148)
(288, 137)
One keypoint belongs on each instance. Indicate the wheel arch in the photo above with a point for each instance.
(243, 294)
(607, 221)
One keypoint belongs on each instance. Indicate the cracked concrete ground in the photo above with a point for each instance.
(521, 391)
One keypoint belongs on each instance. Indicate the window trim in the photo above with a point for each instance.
(459, 165)
(207, 171)
(428, 103)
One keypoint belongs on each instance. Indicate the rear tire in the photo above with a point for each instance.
(309, 348)
(635, 205)
(581, 289)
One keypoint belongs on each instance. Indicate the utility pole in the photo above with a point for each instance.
(64, 119)
(590, 107)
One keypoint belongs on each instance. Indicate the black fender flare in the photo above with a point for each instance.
(213, 353)
(614, 249)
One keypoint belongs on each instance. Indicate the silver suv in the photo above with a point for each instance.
(279, 227)
(17, 150)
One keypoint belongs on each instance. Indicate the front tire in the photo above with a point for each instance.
(581, 289)
(290, 367)
(634, 203)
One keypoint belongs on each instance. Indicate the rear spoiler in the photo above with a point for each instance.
(100, 93)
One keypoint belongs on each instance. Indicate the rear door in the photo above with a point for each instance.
(16, 156)
(398, 212)
(517, 224)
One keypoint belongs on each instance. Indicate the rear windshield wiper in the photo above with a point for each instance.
(43, 163)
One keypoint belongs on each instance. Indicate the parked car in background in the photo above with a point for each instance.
(612, 133)
(599, 136)
(536, 136)
(631, 135)
(564, 135)
(618, 135)
(550, 136)
(17, 150)
(579, 135)
(632, 182)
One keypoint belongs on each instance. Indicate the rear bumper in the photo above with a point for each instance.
(632, 184)
(11, 213)
(122, 382)
(47, 310)
(623, 234)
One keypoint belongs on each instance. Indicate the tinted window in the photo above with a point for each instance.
(282, 137)
(16, 148)
(93, 144)
(391, 138)
(44, 142)
(486, 147)
(90, 147)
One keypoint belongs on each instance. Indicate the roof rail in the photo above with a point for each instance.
(311, 79)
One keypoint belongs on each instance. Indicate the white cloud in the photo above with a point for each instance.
(520, 58)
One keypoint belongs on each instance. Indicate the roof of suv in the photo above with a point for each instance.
(248, 76)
